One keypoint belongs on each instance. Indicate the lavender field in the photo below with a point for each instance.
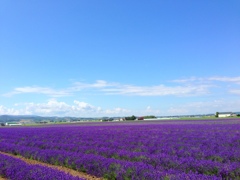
(168, 150)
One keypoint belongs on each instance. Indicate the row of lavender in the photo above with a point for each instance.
(108, 168)
(198, 150)
(16, 169)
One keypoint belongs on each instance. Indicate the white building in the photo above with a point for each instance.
(225, 114)
(13, 124)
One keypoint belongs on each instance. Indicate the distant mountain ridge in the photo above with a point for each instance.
(35, 118)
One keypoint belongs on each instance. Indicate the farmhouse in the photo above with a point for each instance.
(225, 114)
(140, 118)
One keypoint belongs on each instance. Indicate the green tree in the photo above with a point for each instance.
(217, 113)
(130, 118)
(150, 117)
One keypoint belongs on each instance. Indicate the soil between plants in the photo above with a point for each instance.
(60, 168)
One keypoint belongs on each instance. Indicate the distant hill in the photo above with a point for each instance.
(7, 118)
(33, 118)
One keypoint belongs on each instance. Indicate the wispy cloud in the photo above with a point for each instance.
(235, 91)
(209, 79)
(188, 80)
(226, 79)
(201, 107)
(194, 86)
(160, 90)
(113, 88)
(223, 83)
(99, 84)
(38, 90)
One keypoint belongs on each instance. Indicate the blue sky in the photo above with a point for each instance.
(118, 58)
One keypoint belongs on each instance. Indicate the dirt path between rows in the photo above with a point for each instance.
(60, 168)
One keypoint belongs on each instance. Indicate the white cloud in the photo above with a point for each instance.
(52, 107)
(12, 111)
(83, 106)
(56, 108)
(150, 111)
(82, 109)
(117, 111)
(177, 111)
